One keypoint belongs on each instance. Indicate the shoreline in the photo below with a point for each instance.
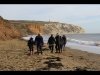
(88, 48)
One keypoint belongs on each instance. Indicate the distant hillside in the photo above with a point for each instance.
(33, 27)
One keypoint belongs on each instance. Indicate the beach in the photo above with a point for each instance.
(14, 56)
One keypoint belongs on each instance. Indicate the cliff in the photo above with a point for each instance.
(34, 27)
(7, 30)
(10, 29)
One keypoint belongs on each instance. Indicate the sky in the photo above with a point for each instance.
(85, 15)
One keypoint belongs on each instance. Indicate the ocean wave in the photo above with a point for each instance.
(92, 43)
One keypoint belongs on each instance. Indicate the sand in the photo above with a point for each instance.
(14, 56)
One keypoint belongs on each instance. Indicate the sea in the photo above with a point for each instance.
(89, 42)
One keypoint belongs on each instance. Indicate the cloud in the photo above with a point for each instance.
(55, 11)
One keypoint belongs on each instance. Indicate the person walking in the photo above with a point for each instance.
(65, 41)
(51, 42)
(30, 45)
(39, 43)
(57, 42)
(61, 43)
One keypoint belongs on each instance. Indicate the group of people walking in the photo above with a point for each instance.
(58, 42)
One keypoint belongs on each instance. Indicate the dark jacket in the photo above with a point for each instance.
(65, 40)
(57, 39)
(39, 40)
(51, 40)
(30, 42)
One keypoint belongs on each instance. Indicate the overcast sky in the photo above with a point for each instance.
(86, 16)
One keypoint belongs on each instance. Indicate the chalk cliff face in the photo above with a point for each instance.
(10, 29)
(7, 30)
(62, 28)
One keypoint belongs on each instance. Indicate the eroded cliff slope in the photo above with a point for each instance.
(7, 30)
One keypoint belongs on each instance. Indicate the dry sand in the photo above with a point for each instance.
(14, 56)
